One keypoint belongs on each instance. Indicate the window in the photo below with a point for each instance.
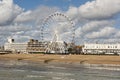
(97, 46)
(115, 46)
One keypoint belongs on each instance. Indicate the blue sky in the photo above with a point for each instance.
(62, 4)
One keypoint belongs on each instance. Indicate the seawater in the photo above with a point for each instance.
(19, 70)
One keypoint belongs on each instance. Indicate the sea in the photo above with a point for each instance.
(23, 70)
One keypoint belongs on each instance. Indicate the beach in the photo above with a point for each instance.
(59, 67)
(67, 59)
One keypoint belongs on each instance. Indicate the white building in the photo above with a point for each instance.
(15, 47)
(101, 48)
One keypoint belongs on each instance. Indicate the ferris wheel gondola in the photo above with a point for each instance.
(58, 22)
(58, 29)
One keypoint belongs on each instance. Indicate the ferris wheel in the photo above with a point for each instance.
(58, 26)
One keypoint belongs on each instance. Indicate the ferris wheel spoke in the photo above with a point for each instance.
(59, 24)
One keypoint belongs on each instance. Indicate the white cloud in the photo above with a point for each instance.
(37, 15)
(105, 32)
(17, 22)
(96, 25)
(15, 28)
(25, 16)
(100, 9)
(95, 10)
(92, 26)
(8, 11)
(72, 12)
(93, 20)
(117, 35)
(96, 19)
(21, 38)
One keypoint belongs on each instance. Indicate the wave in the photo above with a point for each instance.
(56, 73)
(34, 76)
(18, 70)
(11, 63)
(103, 66)
(55, 67)
(61, 78)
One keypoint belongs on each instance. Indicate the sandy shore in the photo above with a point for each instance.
(79, 59)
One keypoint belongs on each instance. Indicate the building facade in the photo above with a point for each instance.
(101, 49)
(34, 46)
(15, 47)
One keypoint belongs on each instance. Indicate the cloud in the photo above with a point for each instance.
(17, 22)
(15, 28)
(24, 17)
(105, 32)
(72, 12)
(100, 9)
(94, 10)
(37, 15)
(117, 35)
(21, 38)
(8, 11)
(92, 26)
(96, 25)
(94, 20)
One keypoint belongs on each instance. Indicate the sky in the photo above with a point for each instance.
(63, 4)
(94, 20)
